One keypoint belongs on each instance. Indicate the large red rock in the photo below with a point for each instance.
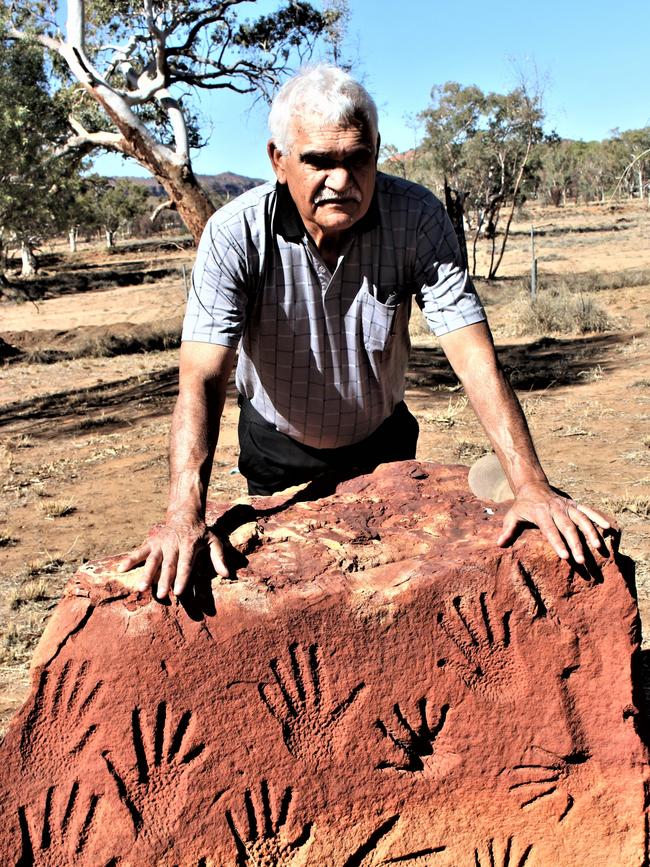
(380, 685)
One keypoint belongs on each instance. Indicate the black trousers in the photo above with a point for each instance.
(271, 461)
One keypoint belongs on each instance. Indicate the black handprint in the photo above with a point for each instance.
(60, 834)
(58, 726)
(152, 794)
(265, 843)
(415, 743)
(301, 701)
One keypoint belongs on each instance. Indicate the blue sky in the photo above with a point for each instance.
(592, 59)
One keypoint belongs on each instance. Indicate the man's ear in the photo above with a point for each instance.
(277, 161)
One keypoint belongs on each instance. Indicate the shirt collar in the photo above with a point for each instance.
(288, 222)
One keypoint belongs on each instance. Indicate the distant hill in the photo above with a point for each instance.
(226, 184)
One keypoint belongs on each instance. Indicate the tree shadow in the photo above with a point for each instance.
(66, 412)
(548, 362)
(97, 279)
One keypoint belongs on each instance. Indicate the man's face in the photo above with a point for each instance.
(330, 172)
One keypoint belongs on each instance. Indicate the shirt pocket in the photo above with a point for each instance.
(377, 321)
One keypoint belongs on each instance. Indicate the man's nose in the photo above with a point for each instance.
(339, 179)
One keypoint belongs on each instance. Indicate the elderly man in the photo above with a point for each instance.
(312, 278)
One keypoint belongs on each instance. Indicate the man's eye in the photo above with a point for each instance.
(359, 162)
(321, 163)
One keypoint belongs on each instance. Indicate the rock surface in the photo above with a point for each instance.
(380, 685)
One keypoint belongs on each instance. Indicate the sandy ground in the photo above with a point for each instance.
(83, 440)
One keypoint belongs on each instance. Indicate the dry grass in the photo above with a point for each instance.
(469, 452)
(594, 281)
(37, 568)
(31, 596)
(99, 421)
(21, 638)
(33, 591)
(639, 506)
(593, 374)
(598, 281)
(633, 346)
(559, 312)
(449, 416)
(23, 442)
(58, 508)
(564, 303)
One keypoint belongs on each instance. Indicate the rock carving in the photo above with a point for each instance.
(445, 703)
(151, 794)
(57, 833)
(363, 855)
(505, 855)
(300, 699)
(535, 781)
(480, 644)
(415, 742)
(264, 843)
(63, 702)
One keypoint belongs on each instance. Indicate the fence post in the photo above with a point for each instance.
(533, 265)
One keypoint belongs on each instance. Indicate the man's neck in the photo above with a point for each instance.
(329, 248)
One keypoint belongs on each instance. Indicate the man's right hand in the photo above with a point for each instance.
(170, 551)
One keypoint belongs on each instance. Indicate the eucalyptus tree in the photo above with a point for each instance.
(136, 67)
(32, 124)
(482, 144)
(635, 174)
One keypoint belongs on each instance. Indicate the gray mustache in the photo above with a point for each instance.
(330, 196)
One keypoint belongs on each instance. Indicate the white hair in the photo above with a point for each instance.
(327, 92)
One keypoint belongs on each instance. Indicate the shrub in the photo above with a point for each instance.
(560, 312)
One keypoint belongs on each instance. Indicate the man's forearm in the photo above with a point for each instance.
(495, 403)
(169, 551)
(500, 414)
(195, 425)
(193, 440)
(471, 353)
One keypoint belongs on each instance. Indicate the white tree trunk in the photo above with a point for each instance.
(110, 236)
(28, 260)
(72, 239)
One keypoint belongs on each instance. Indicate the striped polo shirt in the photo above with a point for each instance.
(323, 354)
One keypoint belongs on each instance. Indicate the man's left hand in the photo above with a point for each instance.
(560, 519)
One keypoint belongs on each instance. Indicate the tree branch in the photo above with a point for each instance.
(42, 38)
(174, 111)
(628, 168)
(112, 141)
(75, 26)
(169, 205)
(159, 38)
